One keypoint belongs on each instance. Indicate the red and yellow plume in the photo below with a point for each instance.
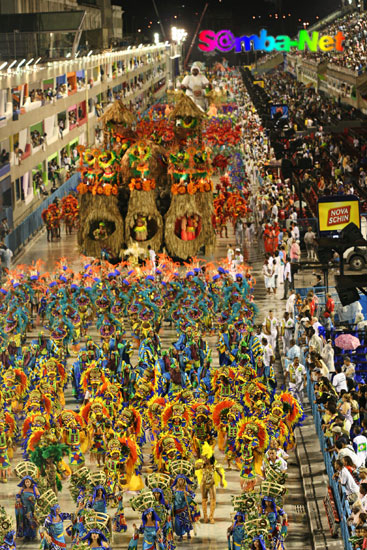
(219, 408)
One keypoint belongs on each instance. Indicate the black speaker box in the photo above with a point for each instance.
(304, 163)
(347, 295)
(351, 233)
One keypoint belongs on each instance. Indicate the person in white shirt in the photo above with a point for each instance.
(268, 352)
(309, 240)
(274, 446)
(294, 351)
(321, 368)
(293, 215)
(287, 279)
(276, 463)
(238, 258)
(316, 325)
(289, 306)
(274, 211)
(340, 381)
(277, 268)
(287, 328)
(327, 355)
(152, 257)
(315, 341)
(348, 368)
(194, 85)
(272, 323)
(296, 375)
(6, 256)
(346, 479)
(230, 254)
(347, 450)
(295, 232)
(360, 444)
(268, 271)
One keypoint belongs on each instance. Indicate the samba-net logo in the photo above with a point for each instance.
(225, 41)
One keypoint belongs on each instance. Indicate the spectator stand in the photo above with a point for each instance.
(343, 315)
(33, 223)
(340, 497)
(337, 496)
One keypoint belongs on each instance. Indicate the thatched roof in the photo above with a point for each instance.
(118, 113)
(186, 107)
(94, 208)
(144, 203)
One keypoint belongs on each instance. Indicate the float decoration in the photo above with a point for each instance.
(144, 159)
(187, 117)
(117, 123)
(144, 223)
(100, 172)
(221, 132)
(101, 226)
(188, 224)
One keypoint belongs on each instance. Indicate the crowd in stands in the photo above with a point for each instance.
(307, 107)
(51, 94)
(40, 184)
(337, 161)
(37, 138)
(72, 118)
(338, 377)
(354, 54)
(311, 322)
(4, 157)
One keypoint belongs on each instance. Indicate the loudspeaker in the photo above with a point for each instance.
(347, 295)
(286, 168)
(325, 255)
(304, 163)
(351, 233)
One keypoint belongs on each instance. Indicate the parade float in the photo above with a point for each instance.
(102, 226)
(150, 186)
(144, 169)
(188, 222)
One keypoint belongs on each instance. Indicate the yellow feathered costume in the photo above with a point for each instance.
(219, 475)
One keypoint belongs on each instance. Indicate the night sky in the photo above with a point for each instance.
(243, 16)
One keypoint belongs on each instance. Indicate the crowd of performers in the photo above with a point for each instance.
(64, 210)
(173, 404)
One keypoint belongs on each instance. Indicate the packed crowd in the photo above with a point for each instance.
(171, 401)
(337, 162)
(311, 325)
(37, 138)
(335, 362)
(307, 107)
(159, 402)
(354, 55)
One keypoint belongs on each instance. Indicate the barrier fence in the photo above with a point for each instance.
(33, 223)
(339, 494)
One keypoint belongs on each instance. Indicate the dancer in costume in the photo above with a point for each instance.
(96, 539)
(151, 531)
(165, 518)
(209, 474)
(53, 535)
(24, 509)
(236, 531)
(184, 507)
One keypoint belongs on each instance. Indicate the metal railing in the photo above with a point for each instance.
(25, 231)
(339, 493)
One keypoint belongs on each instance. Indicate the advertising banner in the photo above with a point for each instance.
(335, 213)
